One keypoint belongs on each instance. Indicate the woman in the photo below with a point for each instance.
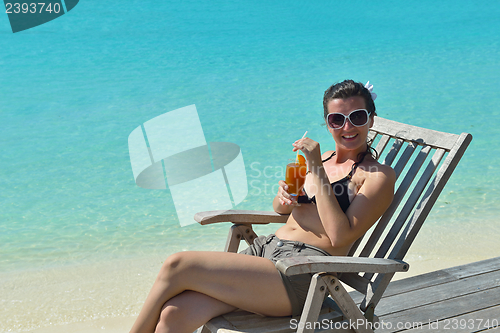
(345, 193)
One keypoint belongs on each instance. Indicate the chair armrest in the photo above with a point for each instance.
(339, 264)
(239, 216)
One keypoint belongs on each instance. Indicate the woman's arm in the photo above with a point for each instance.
(371, 201)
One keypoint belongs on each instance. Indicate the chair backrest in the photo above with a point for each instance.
(407, 148)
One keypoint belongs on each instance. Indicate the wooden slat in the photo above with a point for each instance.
(418, 282)
(445, 309)
(435, 189)
(398, 197)
(384, 220)
(380, 285)
(494, 329)
(439, 293)
(372, 135)
(384, 140)
(477, 321)
(405, 157)
(442, 276)
(475, 268)
(242, 321)
(417, 134)
(407, 236)
(456, 286)
(393, 152)
(408, 206)
(355, 246)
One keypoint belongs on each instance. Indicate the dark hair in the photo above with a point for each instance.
(346, 89)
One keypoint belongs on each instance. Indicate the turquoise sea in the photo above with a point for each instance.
(73, 89)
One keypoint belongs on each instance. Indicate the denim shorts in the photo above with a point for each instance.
(274, 249)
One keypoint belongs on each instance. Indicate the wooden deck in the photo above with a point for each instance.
(458, 299)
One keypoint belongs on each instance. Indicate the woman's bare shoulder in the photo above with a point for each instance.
(327, 154)
(373, 168)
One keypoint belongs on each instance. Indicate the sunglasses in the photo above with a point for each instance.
(357, 118)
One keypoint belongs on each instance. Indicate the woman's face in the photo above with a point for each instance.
(349, 137)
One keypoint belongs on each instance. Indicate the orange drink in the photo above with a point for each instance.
(296, 175)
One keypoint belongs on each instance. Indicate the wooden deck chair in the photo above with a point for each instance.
(373, 259)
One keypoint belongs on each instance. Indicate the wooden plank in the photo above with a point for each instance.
(384, 140)
(435, 278)
(419, 282)
(442, 276)
(444, 309)
(405, 157)
(492, 330)
(354, 246)
(477, 321)
(393, 152)
(438, 293)
(475, 268)
(413, 133)
(242, 321)
(371, 137)
(314, 264)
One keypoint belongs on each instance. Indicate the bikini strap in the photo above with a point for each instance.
(328, 158)
(355, 165)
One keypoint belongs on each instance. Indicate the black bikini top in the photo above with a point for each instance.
(340, 188)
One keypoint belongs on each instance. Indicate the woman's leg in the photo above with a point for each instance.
(243, 281)
(188, 311)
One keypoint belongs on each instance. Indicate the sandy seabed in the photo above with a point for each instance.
(107, 296)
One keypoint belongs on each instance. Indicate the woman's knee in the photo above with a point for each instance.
(170, 319)
(171, 264)
(174, 266)
(177, 315)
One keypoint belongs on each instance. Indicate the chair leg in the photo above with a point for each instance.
(370, 313)
(236, 234)
(233, 239)
(314, 301)
(356, 319)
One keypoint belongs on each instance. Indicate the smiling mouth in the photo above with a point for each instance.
(352, 136)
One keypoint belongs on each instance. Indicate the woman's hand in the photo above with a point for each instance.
(285, 198)
(283, 202)
(311, 151)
